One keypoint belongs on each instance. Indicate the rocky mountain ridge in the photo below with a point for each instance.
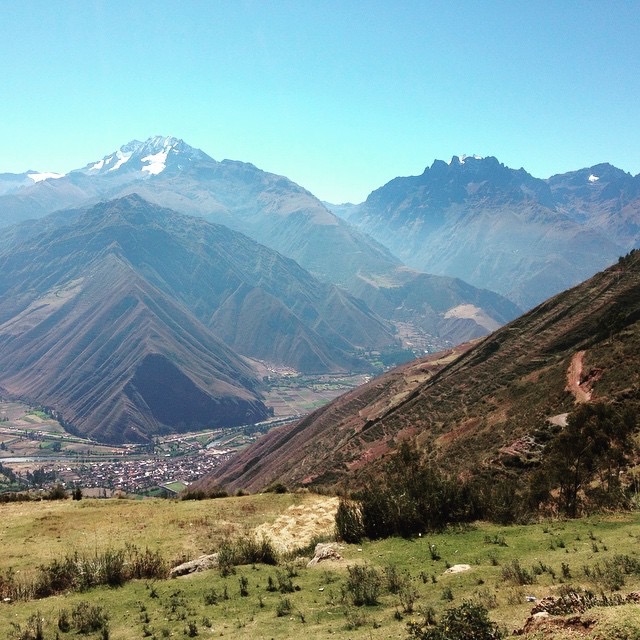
(503, 229)
(268, 208)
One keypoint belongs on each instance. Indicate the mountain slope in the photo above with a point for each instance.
(269, 208)
(116, 317)
(491, 407)
(502, 229)
(115, 358)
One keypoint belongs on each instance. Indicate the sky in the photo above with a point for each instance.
(339, 96)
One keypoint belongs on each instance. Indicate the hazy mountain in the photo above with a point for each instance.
(272, 210)
(491, 407)
(128, 318)
(12, 182)
(168, 172)
(503, 229)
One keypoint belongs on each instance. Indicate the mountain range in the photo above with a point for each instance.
(488, 407)
(128, 320)
(273, 211)
(136, 291)
(502, 229)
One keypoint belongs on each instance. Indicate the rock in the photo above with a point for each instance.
(324, 551)
(458, 568)
(193, 566)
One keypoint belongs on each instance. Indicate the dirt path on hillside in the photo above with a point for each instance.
(299, 524)
(574, 376)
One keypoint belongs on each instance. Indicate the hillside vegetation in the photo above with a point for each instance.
(491, 412)
(374, 591)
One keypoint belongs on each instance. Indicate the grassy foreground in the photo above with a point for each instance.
(507, 565)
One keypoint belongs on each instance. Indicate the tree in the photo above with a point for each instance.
(595, 444)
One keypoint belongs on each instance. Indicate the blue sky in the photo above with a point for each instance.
(339, 96)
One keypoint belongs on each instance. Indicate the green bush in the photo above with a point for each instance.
(88, 617)
(349, 525)
(469, 621)
(283, 608)
(363, 585)
(516, 574)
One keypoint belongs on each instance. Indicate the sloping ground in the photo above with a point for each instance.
(118, 361)
(442, 306)
(277, 456)
(127, 320)
(497, 393)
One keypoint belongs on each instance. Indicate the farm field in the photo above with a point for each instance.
(298, 395)
(509, 570)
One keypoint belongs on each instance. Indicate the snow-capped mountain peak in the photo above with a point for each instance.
(150, 157)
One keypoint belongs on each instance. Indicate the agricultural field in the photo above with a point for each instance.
(507, 570)
(296, 395)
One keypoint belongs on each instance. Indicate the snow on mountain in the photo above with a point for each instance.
(463, 157)
(39, 177)
(150, 157)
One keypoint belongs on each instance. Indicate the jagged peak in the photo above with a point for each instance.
(149, 157)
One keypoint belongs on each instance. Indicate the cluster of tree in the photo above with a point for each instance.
(580, 471)
(583, 463)
(8, 473)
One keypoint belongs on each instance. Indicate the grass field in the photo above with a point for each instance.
(551, 556)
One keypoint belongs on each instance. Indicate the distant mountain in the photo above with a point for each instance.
(166, 171)
(503, 229)
(490, 408)
(128, 319)
(12, 182)
(273, 211)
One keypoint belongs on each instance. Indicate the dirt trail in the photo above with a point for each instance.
(574, 375)
(299, 524)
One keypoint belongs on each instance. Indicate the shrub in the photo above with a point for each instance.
(112, 568)
(64, 623)
(88, 618)
(251, 551)
(192, 629)
(278, 487)
(246, 550)
(469, 621)
(285, 583)
(363, 585)
(146, 564)
(516, 574)
(349, 525)
(56, 493)
(407, 595)
(34, 629)
(394, 579)
(283, 608)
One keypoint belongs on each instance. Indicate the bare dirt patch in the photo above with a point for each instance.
(574, 377)
(299, 524)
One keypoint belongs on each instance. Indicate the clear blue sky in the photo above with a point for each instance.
(340, 96)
